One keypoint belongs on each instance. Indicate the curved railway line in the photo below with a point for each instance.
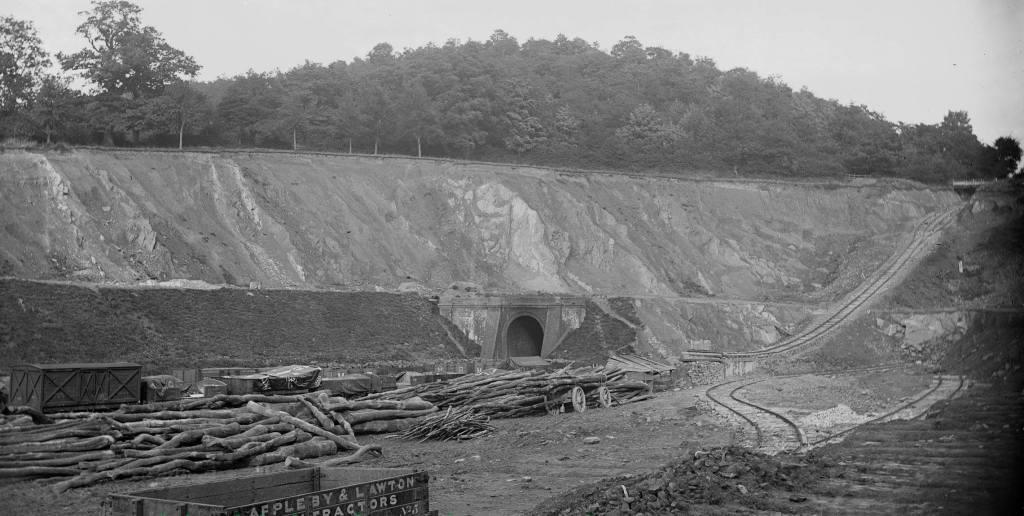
(945, 388)
(774, 432)
(923, 237)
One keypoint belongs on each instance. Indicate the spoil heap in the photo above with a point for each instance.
(727, 478)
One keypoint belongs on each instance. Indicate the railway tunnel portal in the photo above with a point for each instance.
(515, 325)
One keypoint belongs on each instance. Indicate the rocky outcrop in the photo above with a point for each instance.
(917, 332)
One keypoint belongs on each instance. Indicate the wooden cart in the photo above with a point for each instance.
(577, 399)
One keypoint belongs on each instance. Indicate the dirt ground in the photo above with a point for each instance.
(528, 460)
(864, 393)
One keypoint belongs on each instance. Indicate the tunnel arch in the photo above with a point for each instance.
(524, 337)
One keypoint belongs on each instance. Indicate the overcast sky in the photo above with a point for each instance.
(912, 60)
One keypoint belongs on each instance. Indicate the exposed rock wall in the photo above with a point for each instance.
(305, 221)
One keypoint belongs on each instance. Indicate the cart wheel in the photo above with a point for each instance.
(579, 400)
(604, 397)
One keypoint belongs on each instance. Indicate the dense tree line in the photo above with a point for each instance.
(562, 102)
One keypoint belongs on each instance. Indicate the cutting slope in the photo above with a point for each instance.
(306, 221)
(164, 327)
(296, 220)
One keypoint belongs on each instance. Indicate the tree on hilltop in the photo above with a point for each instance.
(23, 64)
(1003, 157)
(56, 107)
(128, 61)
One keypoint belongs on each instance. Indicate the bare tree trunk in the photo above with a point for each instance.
(295, 141)
(376, 138)
(419, 148)
(350, 145)
(48, 131)
(181, 135)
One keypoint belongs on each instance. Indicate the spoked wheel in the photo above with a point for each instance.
(604, 397)
(579, 399)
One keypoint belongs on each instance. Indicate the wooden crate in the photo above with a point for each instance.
(61, 387)
(218, 372)
(190, 378)
(304, 492)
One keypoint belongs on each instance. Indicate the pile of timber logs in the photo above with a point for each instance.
(197, 435)
(623, 390)
(506, 394)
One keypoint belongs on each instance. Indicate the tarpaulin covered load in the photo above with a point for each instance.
(357, 384)
(348, 385)
(287, 378)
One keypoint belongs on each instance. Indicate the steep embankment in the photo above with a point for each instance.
(163, 328)
(292, 220)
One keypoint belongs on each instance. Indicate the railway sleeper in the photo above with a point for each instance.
(900, 454)
(930, 467)
(929, 479)
(896, 493)
(962, 462)
(855, 506)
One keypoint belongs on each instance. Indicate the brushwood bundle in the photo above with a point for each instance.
(456, 423)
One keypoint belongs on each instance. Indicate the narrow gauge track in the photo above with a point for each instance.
(775, 432)
(946, 388)
(921, 240)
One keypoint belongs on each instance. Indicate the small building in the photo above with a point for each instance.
(655, 374)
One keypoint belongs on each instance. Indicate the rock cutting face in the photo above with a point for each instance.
(288, 220)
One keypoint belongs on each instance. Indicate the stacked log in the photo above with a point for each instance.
(507, 394)
(166, 438)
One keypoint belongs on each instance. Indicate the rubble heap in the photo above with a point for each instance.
(729, 476)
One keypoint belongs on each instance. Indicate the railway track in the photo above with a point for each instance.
(944, 387)
(774, 432)
(922, 239)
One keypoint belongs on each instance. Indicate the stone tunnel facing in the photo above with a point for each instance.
(525, 337)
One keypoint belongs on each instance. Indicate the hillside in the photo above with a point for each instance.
(360, 223)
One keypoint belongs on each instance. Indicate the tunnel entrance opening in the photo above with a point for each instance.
(525, 337)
